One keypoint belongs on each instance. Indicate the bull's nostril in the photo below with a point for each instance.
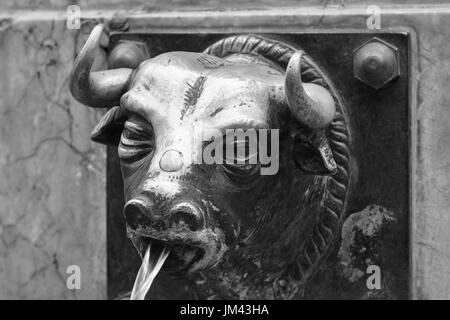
(187, 214)
(135, 215)
(181, 217)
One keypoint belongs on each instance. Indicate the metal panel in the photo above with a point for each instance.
(381, 146)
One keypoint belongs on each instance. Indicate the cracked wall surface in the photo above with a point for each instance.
(52, 177)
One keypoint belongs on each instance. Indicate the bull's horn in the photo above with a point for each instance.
(101, 88)
(311, 104)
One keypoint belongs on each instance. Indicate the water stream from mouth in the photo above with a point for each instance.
(147, 273)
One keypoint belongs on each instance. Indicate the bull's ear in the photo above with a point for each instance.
(312, 154)
(110, 127)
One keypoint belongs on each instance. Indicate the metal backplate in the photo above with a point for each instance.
(381, 140)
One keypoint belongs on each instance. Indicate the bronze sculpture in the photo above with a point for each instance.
(257, 236)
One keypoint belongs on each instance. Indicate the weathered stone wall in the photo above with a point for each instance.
(151, 5)
(52, 178)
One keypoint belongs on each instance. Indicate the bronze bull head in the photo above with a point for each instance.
(225, 217)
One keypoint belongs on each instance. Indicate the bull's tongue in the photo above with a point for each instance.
(151, 264)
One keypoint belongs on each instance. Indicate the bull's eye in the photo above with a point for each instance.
(241, 159)
(136, 141)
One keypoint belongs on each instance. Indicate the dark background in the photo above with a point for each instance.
(381, 151)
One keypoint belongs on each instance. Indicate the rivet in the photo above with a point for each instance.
(127, 54)
(171, 160)
(119, 23)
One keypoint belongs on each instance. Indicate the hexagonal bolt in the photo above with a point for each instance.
(127, 54)
(376, 63)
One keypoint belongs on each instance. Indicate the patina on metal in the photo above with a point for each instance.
(252, 238)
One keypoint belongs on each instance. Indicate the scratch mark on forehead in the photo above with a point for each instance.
(210, 62)
(215, 112)
(191, 96)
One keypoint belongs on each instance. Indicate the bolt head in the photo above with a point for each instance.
(127, 54)
(376, 63)
(119, 23)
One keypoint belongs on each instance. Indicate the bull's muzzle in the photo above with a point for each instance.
(181, 227)
(183, 215)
